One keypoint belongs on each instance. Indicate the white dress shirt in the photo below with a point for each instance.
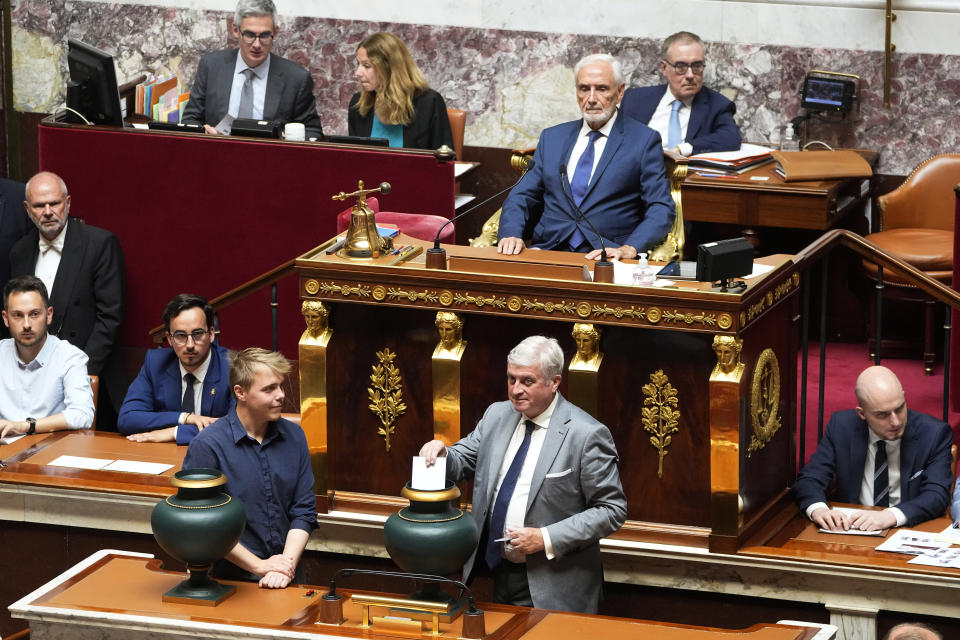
(199, 374)
(581, 145)
(660, 121)
(517, 509)
(48, 259)
(260, 73)
(53, 382)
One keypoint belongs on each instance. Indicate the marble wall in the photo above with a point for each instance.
(512, 83)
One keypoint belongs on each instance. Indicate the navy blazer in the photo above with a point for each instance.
(925, 477)
(289, 96)
(711, 126)
(628, 198)
(154, 398)
(430, 128)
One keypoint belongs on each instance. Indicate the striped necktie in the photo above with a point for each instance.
(881, 481)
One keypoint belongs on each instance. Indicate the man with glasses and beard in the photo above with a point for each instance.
(607, 166)
(689, 117)
(182, 389)
(43, 380)
(252, 82)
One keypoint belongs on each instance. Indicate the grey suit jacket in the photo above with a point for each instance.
(575, 493)
(289, 96)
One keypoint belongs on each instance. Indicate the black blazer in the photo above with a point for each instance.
(430, 128)
(88, 290)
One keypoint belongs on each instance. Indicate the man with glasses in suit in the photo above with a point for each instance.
(252, 82)
(689, 117)
(182, 389)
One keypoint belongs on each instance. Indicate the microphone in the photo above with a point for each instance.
(604, 263)
(436, 257)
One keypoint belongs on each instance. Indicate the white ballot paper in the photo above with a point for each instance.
(79, 462)
(426, 478)
(134, 466)
(852, 532)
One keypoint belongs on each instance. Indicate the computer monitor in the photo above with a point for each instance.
(92, 91)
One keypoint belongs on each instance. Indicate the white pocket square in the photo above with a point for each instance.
(559, 474)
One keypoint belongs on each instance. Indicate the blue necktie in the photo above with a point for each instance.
(580, 182)
(881, 482)
(498, 517)
(674, 135)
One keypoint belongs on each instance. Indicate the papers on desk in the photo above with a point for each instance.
(11, 439)
(747, 157)
(851, 532)
(126, 466)
(913, 543)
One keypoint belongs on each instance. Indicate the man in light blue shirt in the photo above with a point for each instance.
(43, 380)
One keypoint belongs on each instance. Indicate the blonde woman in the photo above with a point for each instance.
(395, 102)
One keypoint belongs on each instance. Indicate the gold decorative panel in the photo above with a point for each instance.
(764, 401)
(386, 393)
(661, 414)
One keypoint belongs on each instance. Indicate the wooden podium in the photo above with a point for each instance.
(114, 595)
(695, 385)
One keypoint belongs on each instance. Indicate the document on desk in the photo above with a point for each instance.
(79, 462)
(852, 532)
(913, 543)
(11, 439)
(135, 466)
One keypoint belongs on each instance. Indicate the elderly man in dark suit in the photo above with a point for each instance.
(689, 117)
(607, 166)
(252, 82)
(546, 487)
(82, 268)
(881, 454)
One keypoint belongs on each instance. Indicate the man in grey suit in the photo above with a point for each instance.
(546, 487)
(256, 83)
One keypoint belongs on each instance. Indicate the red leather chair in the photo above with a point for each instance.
(916, 225)
(418, 225)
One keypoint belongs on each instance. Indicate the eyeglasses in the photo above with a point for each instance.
(180, 338)
(682, 67)
(249, 36)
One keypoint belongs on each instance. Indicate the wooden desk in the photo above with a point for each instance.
(117, 596)
(761, 198)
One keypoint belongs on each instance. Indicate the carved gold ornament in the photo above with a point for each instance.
(386, 394)
(311, 286)
(764, 401)
(661, 414)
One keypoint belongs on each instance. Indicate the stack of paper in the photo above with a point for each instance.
(747, 157)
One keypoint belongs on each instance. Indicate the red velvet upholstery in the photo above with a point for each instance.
(205, 214)
(418, 225)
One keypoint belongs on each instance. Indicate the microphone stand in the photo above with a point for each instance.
(603, 271)
(437, 255)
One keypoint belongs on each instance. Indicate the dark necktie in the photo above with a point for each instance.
(246, 96)
(881, 481)
(579, 184)
(188, 405)
(498, 517)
